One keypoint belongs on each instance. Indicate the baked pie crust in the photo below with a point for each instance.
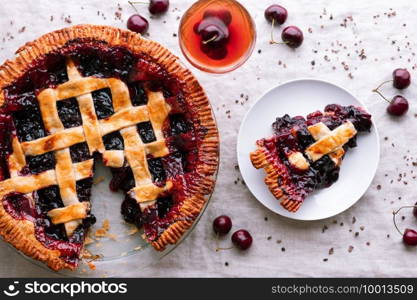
(20, 232)
(305, 154)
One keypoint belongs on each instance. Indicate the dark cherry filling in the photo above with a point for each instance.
(146, 132)
(178, 124)
(6, 132)
(291, 135)
(164, 205)
(49, 198)
(122, 179)
(131, 212)
(157, 170)
(99, 60)
(103, 103)
(155, 219)
(137, 94)
(21, 116)
(41, 163)
(113, 141)
(84, 189)
(29, 123)
(69, 113)
(79, 152)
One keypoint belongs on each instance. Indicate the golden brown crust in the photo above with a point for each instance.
(69, 213)
(320, 130)
(331, 141)
(276, 178)
(259, 160)
(20, 233)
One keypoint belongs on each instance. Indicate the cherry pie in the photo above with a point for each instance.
(304, 154)
(94, 92)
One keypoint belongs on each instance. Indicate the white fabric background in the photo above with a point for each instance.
(388, 38)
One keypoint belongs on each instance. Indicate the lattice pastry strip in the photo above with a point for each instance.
(329, 142)
(145, 192)
(320, 130)
(81, 88)
(63, 169)
(32, 183)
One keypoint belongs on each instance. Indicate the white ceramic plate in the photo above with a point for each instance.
(301, 97)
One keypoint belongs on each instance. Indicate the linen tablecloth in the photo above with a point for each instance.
(355, 44)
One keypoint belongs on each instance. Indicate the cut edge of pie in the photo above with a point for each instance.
(20, 233)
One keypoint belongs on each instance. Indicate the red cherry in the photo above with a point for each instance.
(410, 237)
(242, 239)
(222, 14)
(213, 31)
(276, 13)
(401, 78)
(398, 106)
(213, 34)
(222, 224)
(292, 36)
(158, 6)
(138, 24)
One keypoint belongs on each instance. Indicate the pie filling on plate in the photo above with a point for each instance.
(305, 154)
(93, 92)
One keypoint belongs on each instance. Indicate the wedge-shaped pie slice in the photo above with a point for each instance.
(305, 154)
(93, 92)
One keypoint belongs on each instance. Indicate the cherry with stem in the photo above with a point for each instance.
(154, 6)
(276, 14)
(395, 213)
(409, 235)
(398, 106)
(292, 36)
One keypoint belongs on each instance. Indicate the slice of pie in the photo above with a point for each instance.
(85, 93)
(305, 154)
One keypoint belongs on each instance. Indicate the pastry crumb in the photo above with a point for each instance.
(112, 236)
(97, 180)
(102, 232)
(132, 231)
(91, 266)
(88, 241)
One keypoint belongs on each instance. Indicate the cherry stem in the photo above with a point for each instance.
(218, 248)
(394, 214)
(210, 40)
(272, 41)
(376, 90)
(132, 3)
(385, 82)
